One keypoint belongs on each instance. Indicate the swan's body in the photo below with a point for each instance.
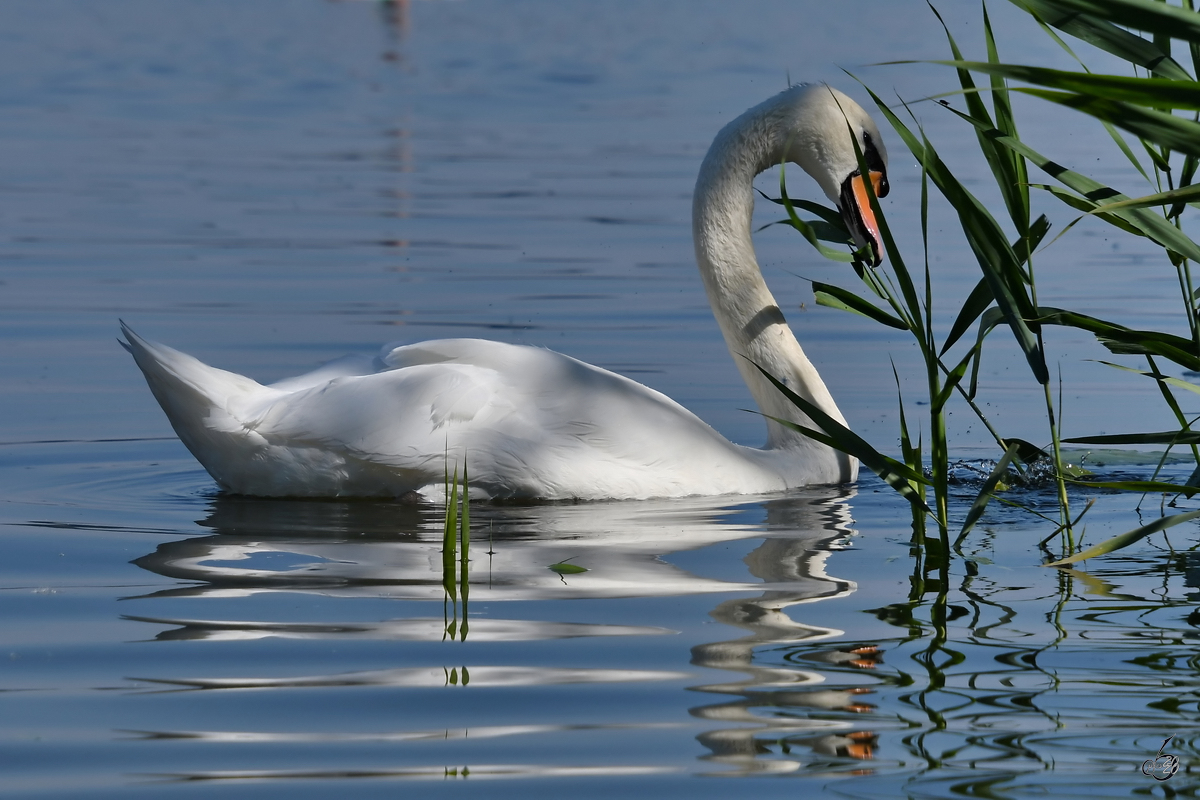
(533, 423)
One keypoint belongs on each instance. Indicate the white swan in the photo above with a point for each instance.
(533, 423)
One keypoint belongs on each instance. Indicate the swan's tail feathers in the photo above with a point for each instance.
(200, 401)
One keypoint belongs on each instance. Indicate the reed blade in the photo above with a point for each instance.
(988, 489)
(1092, 26)
(1156, 437)
(1149, 92)
(837, 297)
(987, 240)
(1126, 539)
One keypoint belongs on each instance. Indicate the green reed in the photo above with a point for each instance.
(456, 544)
(1159, 106)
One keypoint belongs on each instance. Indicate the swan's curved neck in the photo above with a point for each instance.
(751, 321)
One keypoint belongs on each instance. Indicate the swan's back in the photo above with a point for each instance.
(528, 422)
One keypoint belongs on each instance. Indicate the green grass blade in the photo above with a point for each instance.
(1186, 176)
(987, 240)
(987, 490)
(1116, 136)
(970, 91)
(805, 229)
(827, 214)
(1152, 92)
(465, 532)
(894, 473)
(910, 454)
(1028, 452)
(997, 159)
(1179, 382)
(976, 303)
(952, 379)
(1013, 180)
(1141, 486)
(1103, 34)
(1025, 246)
(1151, 225)
(1088, 208)
(810, 234)
(987, 323)
(1164, 388)
(980, 297)
(1148, 16)
(838, 436)
(1160, 127)
(837, 297)
(1008, 168)
(1193, 47)
(1158, 159)
(1125, 341)
(912, 304)
(819, 228)
(1184, 194)
(450, 540)
(1159, 437)
(452, 512)
(1112, 132)
(1126, 539)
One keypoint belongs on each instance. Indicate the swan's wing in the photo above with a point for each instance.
(392, 417)
(343, 367)
(530, 421)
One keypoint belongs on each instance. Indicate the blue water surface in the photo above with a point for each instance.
(270, 185)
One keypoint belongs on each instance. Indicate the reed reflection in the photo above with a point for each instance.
(970, 675)
(773, 704)
(399, 551)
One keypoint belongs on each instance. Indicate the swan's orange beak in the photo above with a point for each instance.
(857, 213)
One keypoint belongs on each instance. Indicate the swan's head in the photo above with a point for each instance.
(826, 124)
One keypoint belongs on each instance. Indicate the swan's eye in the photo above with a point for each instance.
(875, 165)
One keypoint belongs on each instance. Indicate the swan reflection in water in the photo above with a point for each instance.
(394, 551)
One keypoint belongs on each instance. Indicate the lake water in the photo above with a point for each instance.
(270, 185)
